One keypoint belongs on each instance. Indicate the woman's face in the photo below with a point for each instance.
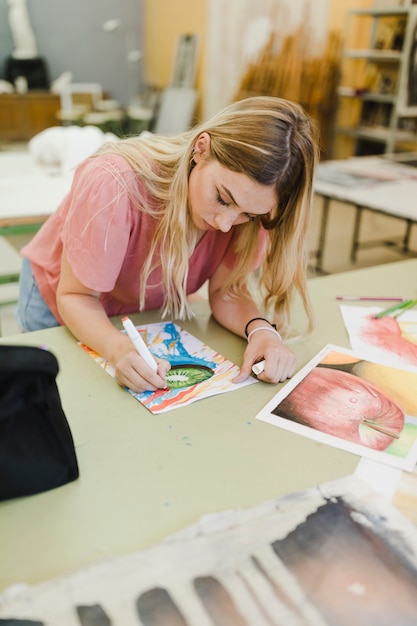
(220, 198)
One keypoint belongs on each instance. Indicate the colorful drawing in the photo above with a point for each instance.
(388, 340)
(357, 405)
(197, 371)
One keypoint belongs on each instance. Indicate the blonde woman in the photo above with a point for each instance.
(150, 219)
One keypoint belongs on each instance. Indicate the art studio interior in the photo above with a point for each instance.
(78, 79)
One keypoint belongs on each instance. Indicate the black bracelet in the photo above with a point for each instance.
(254, 320)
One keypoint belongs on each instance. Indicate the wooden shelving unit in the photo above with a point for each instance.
(24, 115)
(377, 106)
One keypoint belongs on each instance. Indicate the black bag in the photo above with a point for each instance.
(36, 446)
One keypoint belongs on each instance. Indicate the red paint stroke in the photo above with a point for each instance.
(386, 333)
(154, 405)
(344, 405)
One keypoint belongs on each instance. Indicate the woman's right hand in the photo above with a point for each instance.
(83, 313)
(132, 371)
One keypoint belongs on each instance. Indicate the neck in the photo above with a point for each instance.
(200, 235)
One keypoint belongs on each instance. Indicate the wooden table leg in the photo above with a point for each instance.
(322, 234)
(356, 231)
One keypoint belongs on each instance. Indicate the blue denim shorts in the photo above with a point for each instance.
(32, 312)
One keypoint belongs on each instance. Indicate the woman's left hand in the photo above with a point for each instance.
(265, 346)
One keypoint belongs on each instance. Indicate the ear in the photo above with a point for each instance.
(202, 147)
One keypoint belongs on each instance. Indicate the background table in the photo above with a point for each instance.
(145, 476)
(29, 194)
(385, 184)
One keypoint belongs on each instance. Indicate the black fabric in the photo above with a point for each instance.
(34, 70)
(36, 445)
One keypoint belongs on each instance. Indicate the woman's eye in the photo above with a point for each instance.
(221, 201)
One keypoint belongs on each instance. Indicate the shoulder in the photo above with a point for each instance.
(107, 162)
(110, 177)
(108, 171)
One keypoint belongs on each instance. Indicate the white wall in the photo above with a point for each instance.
(70, 36)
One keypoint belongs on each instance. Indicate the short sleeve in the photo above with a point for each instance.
(99, 220)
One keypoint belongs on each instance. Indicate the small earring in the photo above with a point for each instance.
(192, 160)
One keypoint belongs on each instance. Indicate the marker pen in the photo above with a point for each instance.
(139, 344)
(258, 368)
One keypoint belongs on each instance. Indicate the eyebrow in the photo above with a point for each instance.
(229, 193)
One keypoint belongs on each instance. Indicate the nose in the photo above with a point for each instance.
(225, 220)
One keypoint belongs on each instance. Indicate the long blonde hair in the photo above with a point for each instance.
(270, 140)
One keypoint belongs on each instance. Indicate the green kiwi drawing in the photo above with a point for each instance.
(187, 375)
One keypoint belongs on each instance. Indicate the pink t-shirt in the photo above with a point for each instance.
(107, 240)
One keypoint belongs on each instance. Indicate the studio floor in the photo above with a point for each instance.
(336, 256)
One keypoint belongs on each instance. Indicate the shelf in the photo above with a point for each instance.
(370, 54)
(387, 12)
(369, 96)
(375, 78)
(379, 134)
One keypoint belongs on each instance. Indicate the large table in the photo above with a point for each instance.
(384, 184)
(144, 476)
(29, 194)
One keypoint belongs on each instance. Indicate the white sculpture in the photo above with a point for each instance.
(6, 87)
(22, 32)
(60, 83)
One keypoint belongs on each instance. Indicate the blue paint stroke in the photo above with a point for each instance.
(176, 353)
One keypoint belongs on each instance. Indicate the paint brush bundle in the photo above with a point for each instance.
(288, 67)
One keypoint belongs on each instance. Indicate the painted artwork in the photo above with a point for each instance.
(357, 405)
(333, 554)
(197, 371)
(391, 340)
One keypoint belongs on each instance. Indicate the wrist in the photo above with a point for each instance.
(270, 329)
(249, 326)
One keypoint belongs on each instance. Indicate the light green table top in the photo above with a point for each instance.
(144, 476)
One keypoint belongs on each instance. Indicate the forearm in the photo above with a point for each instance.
(265, 344)
(82, 311)
(87, 320)
(85, 317)
(234, 314)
